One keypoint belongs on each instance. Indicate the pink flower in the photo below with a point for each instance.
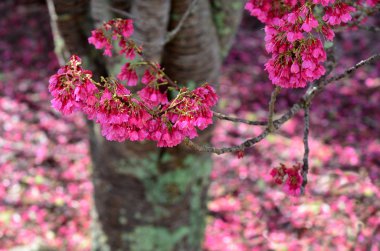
(278, 174)
(292, 17)
(85, 96)
(128, 74)
(295, 68)
(240, 154)
(293, 180)
(127, 50)
(261, 10)
(100, 41)
(71, 88)
(207, 95)
(111, 110)
(309, 23)
(284, 70)
(148, 77)
(122, 30)
(267, 11)
(121, 27)
(328, 32)
(337, 14)
(294, 36)
(290, 177)
(153, 96)
(122, 91)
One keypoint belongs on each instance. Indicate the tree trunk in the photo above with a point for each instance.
(148, 198)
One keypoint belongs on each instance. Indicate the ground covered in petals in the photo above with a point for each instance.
(45, 189)
(341, 209)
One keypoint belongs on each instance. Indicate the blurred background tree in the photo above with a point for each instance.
(147, 198)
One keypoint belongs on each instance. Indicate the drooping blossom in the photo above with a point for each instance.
(189, 111)
(100, 41)
(297, 53)
(297, 66)
(71, 88)
(278, 174)
(289, 177)
(128, 74)
(266, 11)
(148, 77)
(338, 13)
(294, 180)
(153, 96)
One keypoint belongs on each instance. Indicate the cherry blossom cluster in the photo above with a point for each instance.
(121, 30)
(123, 115)
(293, 36)
(289, 176)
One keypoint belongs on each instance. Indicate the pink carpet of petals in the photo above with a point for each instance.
(45, 189)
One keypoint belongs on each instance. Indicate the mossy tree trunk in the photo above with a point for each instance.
(146, 198)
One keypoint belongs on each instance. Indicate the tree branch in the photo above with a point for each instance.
(305, 167)
(239, 120)
(311, 92)
(352, 69)
(121, 12)
(272, 106)
(171, 34)
(370, 28)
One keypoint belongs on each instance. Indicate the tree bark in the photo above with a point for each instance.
(147, 198)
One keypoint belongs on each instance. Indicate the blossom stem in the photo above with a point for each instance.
(305, 167)
(310, 93)
(239, 120)
(170, 81)
(271, 108)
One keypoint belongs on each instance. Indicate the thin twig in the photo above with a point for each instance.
(311, 92)
(121, 12)
(272, 103)
(305, 167)
(171, 34)
(239, 120)
(352, 69)
(359, 27)
(171, 82)
(59, 48)
(369, 28)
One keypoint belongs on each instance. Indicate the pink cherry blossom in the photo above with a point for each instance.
(337, 14)
(128, 74)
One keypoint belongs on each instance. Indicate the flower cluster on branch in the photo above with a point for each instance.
(289, 176)
(123, 115)
(161, 111)
(294, 32)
